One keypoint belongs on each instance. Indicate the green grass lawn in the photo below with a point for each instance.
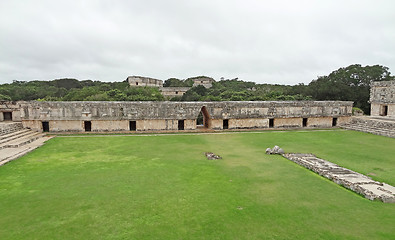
(162, 187)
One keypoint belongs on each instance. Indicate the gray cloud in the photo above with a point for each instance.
(285, 42)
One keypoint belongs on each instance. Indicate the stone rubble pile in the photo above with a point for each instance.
(354, 181)
(211, 156)
(275, 150)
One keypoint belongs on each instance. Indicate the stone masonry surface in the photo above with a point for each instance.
(354, 181)
(383, 126)
(182, 110)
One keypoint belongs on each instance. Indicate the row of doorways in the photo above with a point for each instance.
(181, 124)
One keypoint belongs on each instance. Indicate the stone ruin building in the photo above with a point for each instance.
(382, 115)
(137, 81)
(382, 98)
(168, 92)
(204, 81)
(169, 116)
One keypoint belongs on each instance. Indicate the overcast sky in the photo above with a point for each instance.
(279, 41)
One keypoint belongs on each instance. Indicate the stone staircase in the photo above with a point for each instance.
(374, 125)
(15, 141)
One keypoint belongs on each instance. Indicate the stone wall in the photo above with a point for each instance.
(10, 109)
(116, 116)
(382, 98)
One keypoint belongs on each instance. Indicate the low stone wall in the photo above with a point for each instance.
(354, 181)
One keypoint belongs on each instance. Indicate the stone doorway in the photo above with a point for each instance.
(225, 124)
(181, 125)
(45, 126)
(334, 122)
(88, 126)
(132, 126)
(7, 116)
(203, 119)
(304, 122)
(384, 110)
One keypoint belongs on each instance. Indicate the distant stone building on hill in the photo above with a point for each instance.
(138, 81)
(204, 81)
(168, 92)
(382, 98)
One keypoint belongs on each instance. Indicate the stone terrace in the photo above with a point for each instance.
(384, 126)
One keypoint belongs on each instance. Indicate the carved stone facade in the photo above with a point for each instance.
(382, 98)
(10, 111)
(158, 116)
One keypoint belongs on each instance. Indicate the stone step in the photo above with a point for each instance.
(28, 138)
(371, 129)
(9, 154)
(382, 133)
(13, 135)
(376, 128)
(362, 128)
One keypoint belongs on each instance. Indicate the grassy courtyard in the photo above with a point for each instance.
(162, 187)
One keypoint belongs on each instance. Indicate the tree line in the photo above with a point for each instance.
(350, 83)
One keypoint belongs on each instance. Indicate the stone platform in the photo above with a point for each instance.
(384, 126)
(354, 181)
(16, 141)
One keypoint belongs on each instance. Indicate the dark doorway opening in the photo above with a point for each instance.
(45, 126)
(304, 122)
(271, 122)
(180, 124)
(384, 111)
(7, 116)
(334, 122)
(203, 119)
(88, 126)
(199, 120)
(132, 126)
(225, 124)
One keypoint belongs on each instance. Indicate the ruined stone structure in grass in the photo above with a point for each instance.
(382, 98)
(354, 181)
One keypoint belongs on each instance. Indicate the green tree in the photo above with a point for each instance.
(351, 83)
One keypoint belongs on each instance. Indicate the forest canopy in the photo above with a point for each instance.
(350, 83)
